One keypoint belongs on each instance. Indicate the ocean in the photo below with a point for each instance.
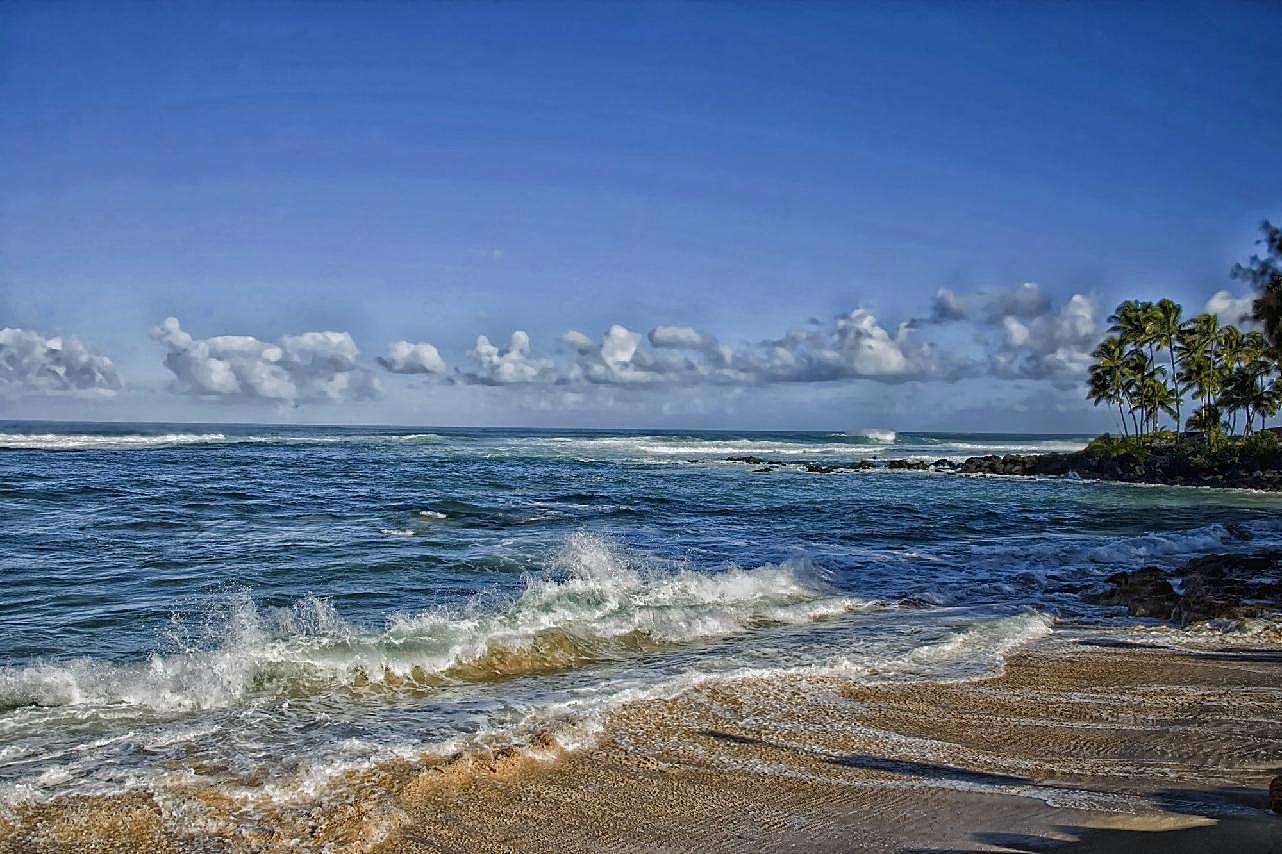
(262, 609)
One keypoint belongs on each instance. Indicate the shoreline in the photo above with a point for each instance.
(1082, 741)
(1084, 465)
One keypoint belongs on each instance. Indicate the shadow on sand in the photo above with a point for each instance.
(1241, 824)
(1251, 830)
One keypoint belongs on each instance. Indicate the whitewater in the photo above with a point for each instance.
(261, 609)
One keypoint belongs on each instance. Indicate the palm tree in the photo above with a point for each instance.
(1141, 382)
(1155, 396)
(1231, 350)
(1108, 376)
(1163, 329)
(1247, 363)
(1129, 321)
(1205, 419)
(1197, 346)
(1269, 401)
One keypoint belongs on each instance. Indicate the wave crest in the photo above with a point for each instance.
(88, 441)
(593, 603)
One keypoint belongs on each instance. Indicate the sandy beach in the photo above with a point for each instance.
(1080, 745)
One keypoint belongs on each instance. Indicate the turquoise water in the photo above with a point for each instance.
(257, 606)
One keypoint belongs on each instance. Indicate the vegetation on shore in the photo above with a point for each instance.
(1217, 384)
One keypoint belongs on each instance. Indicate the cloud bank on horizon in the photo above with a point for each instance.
(313, 366)
(33, 364)
(1017, 333)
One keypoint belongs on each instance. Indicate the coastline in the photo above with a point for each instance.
(1143, 740)
(1158, 469)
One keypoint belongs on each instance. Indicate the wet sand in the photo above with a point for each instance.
(1076, 747)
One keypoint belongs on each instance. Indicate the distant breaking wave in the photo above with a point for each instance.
(83, 441)
(130, 441)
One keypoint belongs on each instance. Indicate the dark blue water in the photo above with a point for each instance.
(274, 603)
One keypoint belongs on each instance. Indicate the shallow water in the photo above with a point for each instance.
(261, 607)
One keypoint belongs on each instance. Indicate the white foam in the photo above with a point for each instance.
(87, 441)
(1166, 543)
(593, 594)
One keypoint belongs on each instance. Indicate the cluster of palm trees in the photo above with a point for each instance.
(1154, 362)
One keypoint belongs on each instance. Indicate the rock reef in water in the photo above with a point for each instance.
(1233, 586)
(767, 465)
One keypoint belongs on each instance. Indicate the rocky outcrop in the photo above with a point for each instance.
(1145, 592)
(1162, 468)
(767, 465)
(1234, 586)
(1020, 464)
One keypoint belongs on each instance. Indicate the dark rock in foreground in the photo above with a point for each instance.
(1145, 593)
(1235, 586)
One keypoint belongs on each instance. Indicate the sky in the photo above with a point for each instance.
(700, 215)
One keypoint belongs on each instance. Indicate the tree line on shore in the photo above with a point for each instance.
(1208, 377)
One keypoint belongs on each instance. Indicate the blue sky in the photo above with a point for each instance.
(759, 179)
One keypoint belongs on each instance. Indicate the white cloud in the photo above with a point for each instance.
(619, 359)
(1025, 302)
(33, 364)
(510, 365)
(680, 338)
(405, 357)
(576, 340)
(1231, 310)
(313, 366)
(1055, 345)
(947, 307)
(858, 347)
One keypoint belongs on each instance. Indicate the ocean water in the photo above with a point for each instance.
(262, 608)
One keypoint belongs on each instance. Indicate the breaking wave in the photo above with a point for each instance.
(87, 441)
(137, 441)
(593, 604)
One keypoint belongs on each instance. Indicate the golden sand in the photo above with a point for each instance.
(1075, 747)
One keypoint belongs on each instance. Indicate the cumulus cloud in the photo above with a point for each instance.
(619, 359)
(1230, 309)
(576, 340)
(680, 338)
(1025, 302)
(313, 366)
(857, 347)
(947, 307)
(675, 355)
(1016, 333)
(1055, 345)
(33, 364)
(510, 365)
(405, 357)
